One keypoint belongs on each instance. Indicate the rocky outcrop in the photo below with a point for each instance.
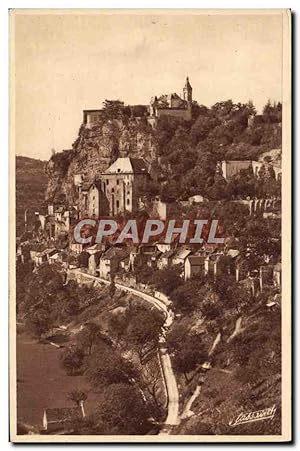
(94, 150)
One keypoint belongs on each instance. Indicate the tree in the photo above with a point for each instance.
(43, 285)
(83, 259)
(187, 297)
(201, 176)
(151, 382)
(88, 336)
(242, 185)
(272, 113)
(187, 350)
(144, 329)
(219, 190)
(202, 127)
(149, 189)
(106, 366)
(113, 109)
(170, 191)
(122, 411)
(72, 359)
(117, 324)
(112, 287)
(77, 396)
(39, 322)
(23, 275)
(167, 279)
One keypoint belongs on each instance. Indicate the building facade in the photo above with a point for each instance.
(173, 104)
(118, 189)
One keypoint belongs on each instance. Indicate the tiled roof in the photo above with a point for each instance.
(233, 253)
(115, 252)
(167, 254)
(183, 253)
(48, 251)
(60, 415)
(138, 165)
(126, 165)
(196, 260)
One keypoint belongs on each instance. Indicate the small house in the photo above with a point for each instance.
(180, 256)
(196, 199)
(61, 419)
(110, 261)
(165, 260)
(194, 265)
(77, 248)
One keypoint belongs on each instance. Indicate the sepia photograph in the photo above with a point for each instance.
(150, 216)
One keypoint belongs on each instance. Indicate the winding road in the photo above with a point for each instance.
(168, 373)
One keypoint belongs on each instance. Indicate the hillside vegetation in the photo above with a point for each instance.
(182, 155)
(31, 183)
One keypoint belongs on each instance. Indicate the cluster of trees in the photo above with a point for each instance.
(116, 109)
(257, 237)
(254, 356)
(45, 301)
(98, 353)
(123, 406)
(30, 178)
(138, 328)
(189, 151)
(258, 352)
(244, 184)
(215, 302)
(187, 349)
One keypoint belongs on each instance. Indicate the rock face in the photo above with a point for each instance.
(94, 150)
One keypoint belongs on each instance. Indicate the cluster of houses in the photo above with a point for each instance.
(124, 262)
(117, 191)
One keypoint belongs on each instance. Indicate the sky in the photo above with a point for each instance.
(65, 63)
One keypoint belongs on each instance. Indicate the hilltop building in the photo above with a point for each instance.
(173, 105)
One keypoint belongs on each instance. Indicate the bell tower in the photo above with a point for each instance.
(188, 91)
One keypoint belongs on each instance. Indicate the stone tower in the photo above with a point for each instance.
(187, 92)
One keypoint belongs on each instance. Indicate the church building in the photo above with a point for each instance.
(118, 188)
(173, 104)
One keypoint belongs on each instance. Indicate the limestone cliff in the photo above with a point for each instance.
(181, 154)
(94, 150)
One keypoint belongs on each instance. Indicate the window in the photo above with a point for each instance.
(117, 204)
(113, 190)
(118, 182)
(119, 170)
(128, 201)
(128, 193)
(107, 181)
